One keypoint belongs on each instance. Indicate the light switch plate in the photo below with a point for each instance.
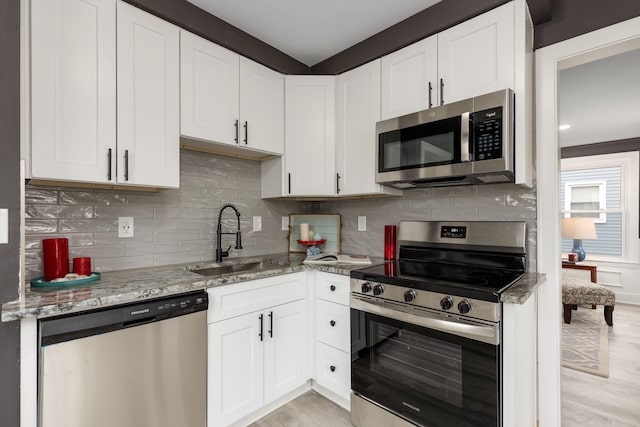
(4, 226)
(285, 223)
(257, 223)
(362, 223)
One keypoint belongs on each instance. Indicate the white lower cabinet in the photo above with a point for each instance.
(332, 336)
(259, 356)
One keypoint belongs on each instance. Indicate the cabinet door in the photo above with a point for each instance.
(209, 90)
(261, 108)
(148, 99)
(310, 136)
(409, 79)
(476, 57)
(357, 111)
(286, 352)
(235, 371)
(73, 89)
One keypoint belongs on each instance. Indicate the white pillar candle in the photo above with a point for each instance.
(304, 231)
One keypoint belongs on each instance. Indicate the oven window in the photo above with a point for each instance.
(429, 377)
(429, 366)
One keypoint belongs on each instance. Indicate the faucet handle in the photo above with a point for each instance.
(226, 253)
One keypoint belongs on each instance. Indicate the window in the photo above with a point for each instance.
(603, 187)
(587, 199)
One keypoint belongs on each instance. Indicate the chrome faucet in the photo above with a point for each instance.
(219, 252)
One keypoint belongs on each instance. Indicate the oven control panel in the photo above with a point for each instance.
(453, 232)
(448, 305)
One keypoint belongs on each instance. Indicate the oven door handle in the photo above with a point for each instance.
(468, 328)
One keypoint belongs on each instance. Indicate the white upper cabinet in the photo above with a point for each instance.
(227, 99)
(410, 79)
(310, 136)
(148, 99)
(73, 88)
(357, 111)
(104, 94)
(477, 56)
(209, 84)
(261, 107)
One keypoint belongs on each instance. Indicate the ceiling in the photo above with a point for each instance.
(312, 30)
(600, 100)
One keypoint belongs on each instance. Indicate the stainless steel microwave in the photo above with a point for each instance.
(465, 142)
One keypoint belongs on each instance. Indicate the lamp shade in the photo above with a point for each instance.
(579, 228)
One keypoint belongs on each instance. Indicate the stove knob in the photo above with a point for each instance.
(409, 296)
(446, 303)
(377, 290)
(464, 306)
(366, 287)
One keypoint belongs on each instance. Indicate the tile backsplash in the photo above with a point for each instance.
(493, 202)
(178, 226)
(171, 226)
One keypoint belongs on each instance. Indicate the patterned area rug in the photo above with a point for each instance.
(585, 342)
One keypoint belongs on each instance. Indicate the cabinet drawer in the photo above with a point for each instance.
(333, 370)
(333, 287)
(241, 298)
(333, 324)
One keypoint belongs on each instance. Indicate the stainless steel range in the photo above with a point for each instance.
(425, 329)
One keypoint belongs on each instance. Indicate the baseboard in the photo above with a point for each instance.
(332, 396)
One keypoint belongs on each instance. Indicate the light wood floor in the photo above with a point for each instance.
(590, 400)
(308, 410)
(587, 400)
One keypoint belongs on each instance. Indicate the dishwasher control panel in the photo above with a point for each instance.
(167, 307)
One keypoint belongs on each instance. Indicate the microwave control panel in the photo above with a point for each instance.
(487, 134)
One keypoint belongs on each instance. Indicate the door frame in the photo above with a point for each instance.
(549, 61)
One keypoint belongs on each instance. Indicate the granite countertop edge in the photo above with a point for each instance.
(519, 292)
(126, 286)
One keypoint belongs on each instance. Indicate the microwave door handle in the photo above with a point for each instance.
(464, 138)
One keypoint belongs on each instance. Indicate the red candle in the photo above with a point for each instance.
(55, 256)
(389, 242)
(82, 265)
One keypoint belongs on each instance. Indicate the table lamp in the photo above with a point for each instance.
(579, 228)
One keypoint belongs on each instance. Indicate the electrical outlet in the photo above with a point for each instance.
(257, 223)
(125, 226)
(285, 223)
(362, 223)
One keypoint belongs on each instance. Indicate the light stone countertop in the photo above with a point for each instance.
(126, 286)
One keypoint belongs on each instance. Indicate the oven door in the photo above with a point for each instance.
(429, 377)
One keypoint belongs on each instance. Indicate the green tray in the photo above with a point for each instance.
(39, 282)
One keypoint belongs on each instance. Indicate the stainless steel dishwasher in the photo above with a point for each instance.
(142, 364)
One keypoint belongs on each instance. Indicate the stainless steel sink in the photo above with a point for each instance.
(228, 268)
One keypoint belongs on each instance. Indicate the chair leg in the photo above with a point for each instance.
(567, 312)
(608, 314)
(574, 307)
(593, 306)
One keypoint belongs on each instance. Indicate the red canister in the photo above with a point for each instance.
(389, 242)
(55, 257)
(82, 265)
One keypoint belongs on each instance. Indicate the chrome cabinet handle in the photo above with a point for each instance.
(246, 132)
(236, 125)
(109, 168)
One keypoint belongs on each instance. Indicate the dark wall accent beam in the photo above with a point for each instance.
(10, 199)
(193, 19)
(620, 146)
(417, 27)
(572, 18)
